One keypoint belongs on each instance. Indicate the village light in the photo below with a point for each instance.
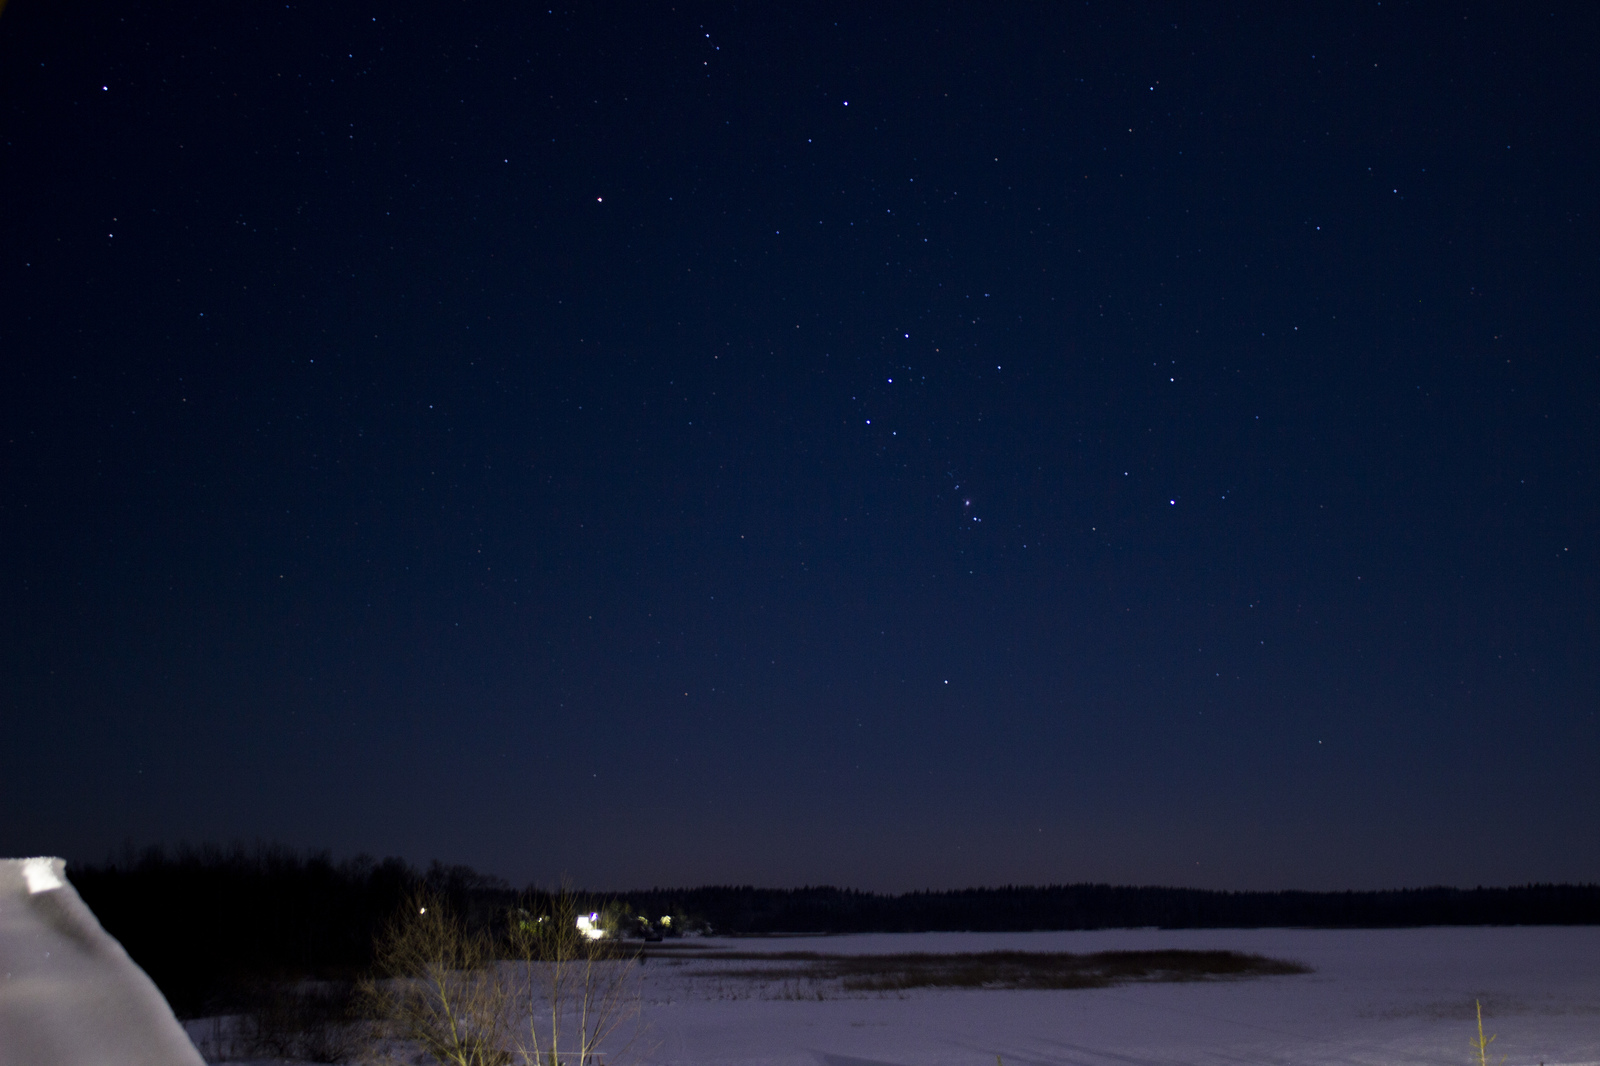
(589, 926)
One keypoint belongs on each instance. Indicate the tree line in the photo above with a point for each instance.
(214, 926)
(747, 910)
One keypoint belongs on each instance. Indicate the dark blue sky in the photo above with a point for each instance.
(916, 447)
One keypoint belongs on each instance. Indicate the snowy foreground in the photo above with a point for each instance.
(1376, 996)
(1392, 997)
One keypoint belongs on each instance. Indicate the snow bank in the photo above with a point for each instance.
(69, 994)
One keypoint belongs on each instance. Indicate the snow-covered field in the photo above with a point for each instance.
(1374, 998)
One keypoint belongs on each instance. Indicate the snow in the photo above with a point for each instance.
(1375, 997)
(69, 994)
(40, 875)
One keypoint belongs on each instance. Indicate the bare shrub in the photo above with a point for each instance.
(439, 989)
(1480, 1046)
(579, 992)
(310, 1021)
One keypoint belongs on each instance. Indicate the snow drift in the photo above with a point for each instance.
(69, 994)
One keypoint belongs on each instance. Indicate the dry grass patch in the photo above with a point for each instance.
(995, 969)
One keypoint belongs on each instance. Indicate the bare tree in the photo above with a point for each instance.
(440, 988)
(580, 989)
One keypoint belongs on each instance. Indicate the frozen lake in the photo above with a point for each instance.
(1375, 997)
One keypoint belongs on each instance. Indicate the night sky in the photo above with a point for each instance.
(885, 445)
